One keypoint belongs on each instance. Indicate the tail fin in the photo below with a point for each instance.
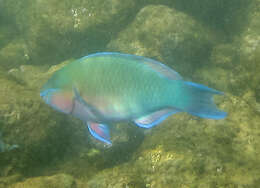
(198, 101)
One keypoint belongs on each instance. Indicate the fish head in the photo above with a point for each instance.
(58, 94)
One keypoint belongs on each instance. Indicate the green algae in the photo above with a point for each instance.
(175, 34)
(228, 17)
(56, 181)
(78, 26)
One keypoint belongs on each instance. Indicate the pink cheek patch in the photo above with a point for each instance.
(62, 101)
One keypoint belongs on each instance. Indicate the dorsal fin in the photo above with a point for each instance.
(153, 64)
(162, 69)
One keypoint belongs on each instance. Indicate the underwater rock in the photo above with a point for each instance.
(6, 181)
(250, 40)
(249, 53)
(224, 65)
(225, 16)
(7, 34)
(117, 177)
(167, 34)
(13, 54)
(6, 147)
(55, 181)
(224, 55)
(55, 31)
(236, 63)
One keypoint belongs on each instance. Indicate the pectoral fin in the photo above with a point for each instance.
(83, 110)
(155, 118)
(100, 132)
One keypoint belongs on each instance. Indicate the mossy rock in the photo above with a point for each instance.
(167, 35)
(55, 31)
(227, 17)
(14, 54)
(55, 181)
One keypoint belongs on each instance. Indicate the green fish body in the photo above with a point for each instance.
(104, 88)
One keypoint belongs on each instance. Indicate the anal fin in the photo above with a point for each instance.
(154, 118)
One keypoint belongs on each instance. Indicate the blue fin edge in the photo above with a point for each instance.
(205, 88)
(141, 58)
(95, 135)
(156, 122)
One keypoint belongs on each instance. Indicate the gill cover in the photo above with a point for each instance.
(58, 99)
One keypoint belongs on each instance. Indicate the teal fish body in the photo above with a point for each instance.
(104, 88)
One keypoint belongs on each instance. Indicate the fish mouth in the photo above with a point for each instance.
(47, 93)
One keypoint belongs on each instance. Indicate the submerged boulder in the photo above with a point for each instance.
(55, 31)
(227, 17)
(14, 54)
(55, 181)
(167, 34)
(250, 49)
(236, 63)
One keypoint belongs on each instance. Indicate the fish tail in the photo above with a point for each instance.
(197, 100)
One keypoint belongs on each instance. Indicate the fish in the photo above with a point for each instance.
(110, 87)
(6, 147)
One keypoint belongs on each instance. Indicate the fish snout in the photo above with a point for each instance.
(46, 94)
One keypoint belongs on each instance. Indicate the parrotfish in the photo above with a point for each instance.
(109, 87)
